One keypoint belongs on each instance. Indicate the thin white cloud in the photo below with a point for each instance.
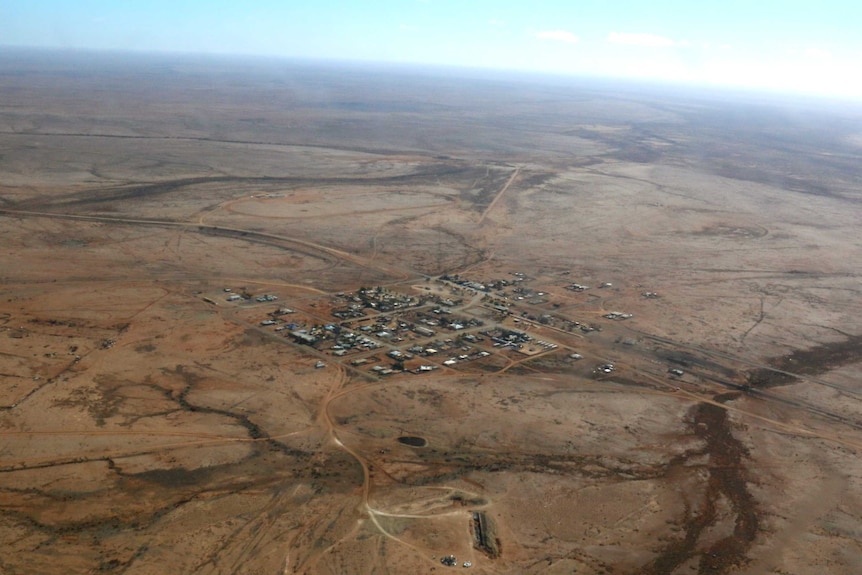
(496, 22)
(558, 36)
(648, 40)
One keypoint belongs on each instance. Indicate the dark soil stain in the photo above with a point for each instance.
(812, 361)
(688, 360)
(254, 430)
(149, 190)
(176, 476)
(413, 441)
(727, 477)
(727, 472)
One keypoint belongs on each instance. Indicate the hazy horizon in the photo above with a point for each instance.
(791, 47)
(16, 59)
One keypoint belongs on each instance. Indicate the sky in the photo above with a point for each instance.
(810, 46)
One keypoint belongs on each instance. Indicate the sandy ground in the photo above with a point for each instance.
(151, 422)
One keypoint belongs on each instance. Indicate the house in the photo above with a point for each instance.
(303, 337)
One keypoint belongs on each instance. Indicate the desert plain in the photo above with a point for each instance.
(274, 317)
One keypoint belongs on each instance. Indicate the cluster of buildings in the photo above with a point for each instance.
(518, 292)
(559, 323)
(410, 330)
(342, 341)
(354, 305)
(507, 338)
(442, 317)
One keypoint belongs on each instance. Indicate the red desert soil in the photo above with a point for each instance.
(516, 328)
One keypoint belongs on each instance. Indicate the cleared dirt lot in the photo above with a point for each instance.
(307, 325)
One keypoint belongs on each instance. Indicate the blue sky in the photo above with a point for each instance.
(789, 45)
